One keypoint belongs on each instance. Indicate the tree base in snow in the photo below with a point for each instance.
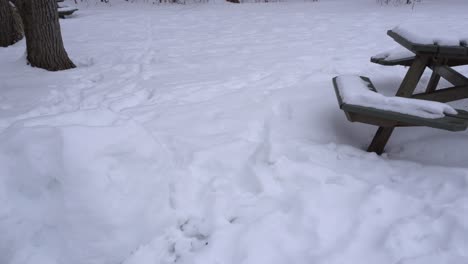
(43, 36)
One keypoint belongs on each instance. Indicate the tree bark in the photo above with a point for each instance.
(44, 42)
(10, 25)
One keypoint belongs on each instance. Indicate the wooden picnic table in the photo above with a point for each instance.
(423, 51)
(64, 11)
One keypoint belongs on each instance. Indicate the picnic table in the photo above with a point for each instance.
(64, 11)
(420, 50)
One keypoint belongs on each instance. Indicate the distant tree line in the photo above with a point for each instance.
(262, 1)
(194, 1)
(408, 2)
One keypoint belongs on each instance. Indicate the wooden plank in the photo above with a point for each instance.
(450, 61)
(445, 95)
(66, 12)
(435, 77)
(337, 90)
(380, 140)
(449, 51)
(403, 62)
(461, 114)
(451, 75)
(368, 119)
(456, 61)
(389, 118)
(433, 82)
(413, 76)
(414, 47)
(452, 50)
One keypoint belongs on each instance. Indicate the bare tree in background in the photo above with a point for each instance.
(396, 2)
(44, 42)
(10, 24)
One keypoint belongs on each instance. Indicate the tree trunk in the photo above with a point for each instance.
(10, 29)
(43, 36)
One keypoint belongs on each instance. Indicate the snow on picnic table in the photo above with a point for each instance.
(211, 134)
(432, 32)
(355, 91)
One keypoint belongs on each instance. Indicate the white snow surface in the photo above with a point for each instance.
(210, 133)
(355, 91)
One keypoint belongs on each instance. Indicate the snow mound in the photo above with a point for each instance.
(88, 193)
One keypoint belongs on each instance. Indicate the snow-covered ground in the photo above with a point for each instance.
(211, 133)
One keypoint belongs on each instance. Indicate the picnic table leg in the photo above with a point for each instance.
(413, 76)
(433, 82)
(435, 77)
(406, 89)
(451, 75)
(380, 140)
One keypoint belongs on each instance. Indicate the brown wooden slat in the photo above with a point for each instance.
(451, 75)
(451, 61)
(403, 61)
(445, 95)
(380, 140)
(457, 61)
(412, 77)
(433, 82)
(447, 51)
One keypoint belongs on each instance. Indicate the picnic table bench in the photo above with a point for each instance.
(361, 102)
(65, 11)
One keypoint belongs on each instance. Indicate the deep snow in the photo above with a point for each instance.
(210, 133)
